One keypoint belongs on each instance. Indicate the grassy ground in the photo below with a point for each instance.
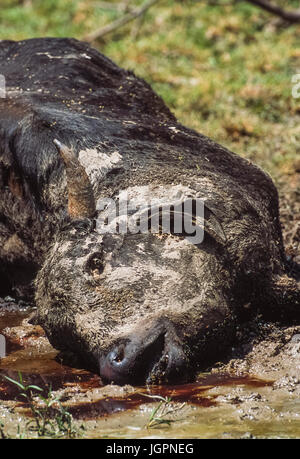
(223, 70)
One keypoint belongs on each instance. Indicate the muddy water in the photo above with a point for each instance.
(217, 405)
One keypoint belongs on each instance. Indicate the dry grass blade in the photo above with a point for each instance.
(162, 410)
(130, 16)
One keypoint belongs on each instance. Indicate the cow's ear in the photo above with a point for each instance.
(213, 225)
(81, 202)
(189, 217)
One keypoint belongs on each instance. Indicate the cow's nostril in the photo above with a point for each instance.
(131, 362)
(117, 355)
(156, 358)
(114, 366)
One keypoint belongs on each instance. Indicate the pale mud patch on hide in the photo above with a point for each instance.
(91, 243)
(64, 56)
(115, 276)
(156, 194)
(61, 248)
(118, 277)
(173, 247)
(168, 193)
(97, 164)
(134, 203)
(157, 289)
(152, 283)
(98, 322)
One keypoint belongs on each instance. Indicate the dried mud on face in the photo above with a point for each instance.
(254, 394)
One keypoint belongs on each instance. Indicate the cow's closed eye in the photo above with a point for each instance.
(95, 263)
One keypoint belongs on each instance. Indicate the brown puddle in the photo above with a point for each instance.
(8, 320)
(31, 354)
(110, 405)
(192, 394)
(68, 377)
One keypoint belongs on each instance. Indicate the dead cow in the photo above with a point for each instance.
(77, 130)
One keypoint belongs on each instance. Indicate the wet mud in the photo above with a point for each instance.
(254, 394)
(245, 397)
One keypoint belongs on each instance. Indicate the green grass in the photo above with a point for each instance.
(48, 417)
(163, 413)
(223, 70)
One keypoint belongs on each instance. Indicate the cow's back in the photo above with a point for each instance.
(125, 137)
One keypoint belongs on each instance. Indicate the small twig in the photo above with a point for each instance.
(290, 16)
(157, 397)
(217, 3)
(131, 15)
(126, 7)
(136, 28)
(112, 6)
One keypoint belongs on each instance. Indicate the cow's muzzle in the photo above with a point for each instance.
(155, 358)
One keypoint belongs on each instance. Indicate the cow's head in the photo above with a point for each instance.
(137, 307)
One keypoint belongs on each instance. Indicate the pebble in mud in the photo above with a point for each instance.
(289, 383)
